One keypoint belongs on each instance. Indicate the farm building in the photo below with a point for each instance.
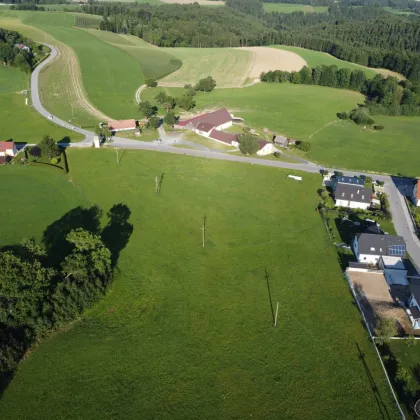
(369, 248)
(283, 141)
(8, 148)
(204, 124)
(122, 125)
(266, 148)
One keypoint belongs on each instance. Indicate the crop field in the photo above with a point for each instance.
(19, 122)
(186, 332)
(290, 8)
(83, 20)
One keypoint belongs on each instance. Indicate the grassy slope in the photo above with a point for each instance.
(110, 76)
(186, 332)
(290, 8)
(18, 121)
(36, 196)
(227, 66)
(155, 63)
(318, 58)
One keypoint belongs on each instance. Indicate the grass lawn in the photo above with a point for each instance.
(185, 332)
(226, 65)
(146, 135)
(319, 58)
(33, 197)
(346, 145)
(19, 122)
(290, 8)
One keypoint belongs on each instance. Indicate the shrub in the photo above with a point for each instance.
(378, 127)
(343, 115)
(324, 172)
(151, 83)
(361, 116)
(54, 161)
(305, 146)
(206, 85)
(385, 329)
(248, 144)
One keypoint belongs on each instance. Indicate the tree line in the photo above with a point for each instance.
(11, 55)
(45, 286)
(386, 96)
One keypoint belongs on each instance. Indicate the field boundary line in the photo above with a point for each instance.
(374, 345)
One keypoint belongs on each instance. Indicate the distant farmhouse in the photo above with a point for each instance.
(122, 125)
(210, 125)
(350, 192)
(283, 141)
(23, 47)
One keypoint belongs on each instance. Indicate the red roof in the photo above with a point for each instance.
(21, 45)
(122, 124)
(216, 118)
(222, 136)
(6, 145)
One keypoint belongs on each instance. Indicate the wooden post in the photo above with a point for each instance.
(116, 149)
(277, 311)
(157, 185)
(204, 230)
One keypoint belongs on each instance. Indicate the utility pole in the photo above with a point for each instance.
(204, 230)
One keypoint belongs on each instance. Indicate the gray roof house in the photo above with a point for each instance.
(369, 247)
(354, 196)
(350, 180)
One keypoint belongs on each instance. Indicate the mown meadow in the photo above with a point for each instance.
(186, 331)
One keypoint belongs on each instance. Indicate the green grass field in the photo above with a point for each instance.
(290, 8)
(110, 76)
(19, 122)
(185, 332)
(154, 62)
(227, 66)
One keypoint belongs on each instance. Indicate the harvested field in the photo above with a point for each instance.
(230, 67)
(375, 298)
(263, 60)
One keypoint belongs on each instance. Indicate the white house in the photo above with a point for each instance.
(369, 248)
(266, 148)
(416, 194)
(352, 196)
(8, 148)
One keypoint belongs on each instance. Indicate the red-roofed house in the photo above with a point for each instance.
(221, 136)
(416, 193)
(122, 125)
(204, 124)
(266, 148)
(8, 148)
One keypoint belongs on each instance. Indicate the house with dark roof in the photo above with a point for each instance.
(353, 196)
(203, 124)
(350, 180)
(7, 148)
(369, 248)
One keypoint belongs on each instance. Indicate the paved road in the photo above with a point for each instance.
(393, 186)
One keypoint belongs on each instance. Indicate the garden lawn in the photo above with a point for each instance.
(186, 332)
(19, 122)
(291, 8)
(319, 58)
(33, 197)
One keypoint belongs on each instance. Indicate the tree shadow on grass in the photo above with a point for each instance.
(117, 232)
(54, 238)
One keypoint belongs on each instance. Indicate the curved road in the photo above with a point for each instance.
(401, 218)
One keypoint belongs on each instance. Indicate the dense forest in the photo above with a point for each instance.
(11, 55)
(386, 96)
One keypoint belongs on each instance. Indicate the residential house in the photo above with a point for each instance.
(413, 305)
(368, 247)
(204, 124)
(23, 47)
(350, 180)
(122, 125)
(394, 270)
(8, 148)
(416, 194)
(352, 196)
(266, 148)
(283, 141)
